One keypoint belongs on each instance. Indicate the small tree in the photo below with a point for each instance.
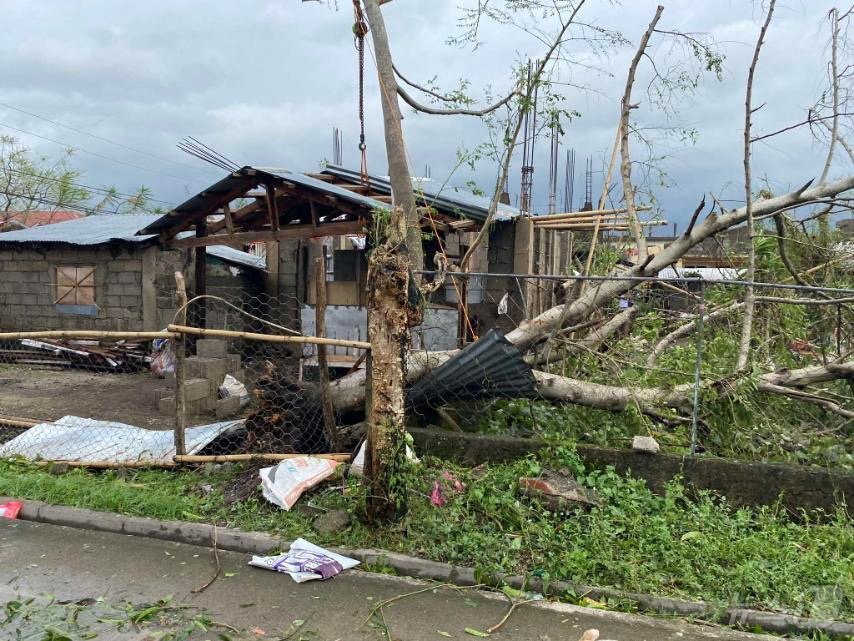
(30, 182)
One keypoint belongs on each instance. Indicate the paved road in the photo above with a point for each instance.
(38, 559)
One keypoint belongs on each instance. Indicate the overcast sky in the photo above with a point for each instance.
(264, 82)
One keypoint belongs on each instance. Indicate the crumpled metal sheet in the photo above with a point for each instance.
(73, 438)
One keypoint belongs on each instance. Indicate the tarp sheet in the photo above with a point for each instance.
(73, 438)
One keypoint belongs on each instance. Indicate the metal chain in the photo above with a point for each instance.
(360, 29)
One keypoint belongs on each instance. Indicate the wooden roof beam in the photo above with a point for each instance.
(289, 232)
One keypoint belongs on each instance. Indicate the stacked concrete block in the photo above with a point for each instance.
(204, 374)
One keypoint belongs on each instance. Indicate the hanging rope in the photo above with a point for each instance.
(360, 29)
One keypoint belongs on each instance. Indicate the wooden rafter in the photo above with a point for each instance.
(288, 232)
(272, 207)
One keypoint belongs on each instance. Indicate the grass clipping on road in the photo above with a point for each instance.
(678, 544)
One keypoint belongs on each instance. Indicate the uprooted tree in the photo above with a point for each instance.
(394, 291)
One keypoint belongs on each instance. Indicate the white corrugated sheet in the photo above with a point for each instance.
(73, 438)
(706, 273)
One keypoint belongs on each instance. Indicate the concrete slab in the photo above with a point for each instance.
(37, 559)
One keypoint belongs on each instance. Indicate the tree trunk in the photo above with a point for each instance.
(388, 332)
(391, 312)
(398, 167)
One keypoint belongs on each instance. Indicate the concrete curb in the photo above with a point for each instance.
(202, 534)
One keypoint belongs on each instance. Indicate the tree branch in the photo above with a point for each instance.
(747, 324)
(408, 99)
(626, 162)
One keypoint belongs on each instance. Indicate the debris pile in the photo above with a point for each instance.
(119, 356)
(287, 417)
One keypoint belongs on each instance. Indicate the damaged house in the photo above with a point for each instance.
(97, 273)
(299, 217)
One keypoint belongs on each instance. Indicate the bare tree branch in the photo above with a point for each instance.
(834, 82)
(626, 162)
(747, 324)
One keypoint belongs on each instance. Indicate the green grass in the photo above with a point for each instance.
(694, 547)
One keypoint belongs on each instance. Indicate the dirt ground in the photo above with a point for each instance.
(50, 393)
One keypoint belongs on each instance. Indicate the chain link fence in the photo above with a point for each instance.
(634, 367)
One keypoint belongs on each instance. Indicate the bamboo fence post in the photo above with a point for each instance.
(269, 338)
(180, 356)
(228, 458)
(322, 362)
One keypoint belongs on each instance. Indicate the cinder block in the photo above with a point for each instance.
(232, 363)
(226, 407)
(211, 348)
(129, 277)
(196, 388)
(164, 392)
(166, 405)
(212, 369)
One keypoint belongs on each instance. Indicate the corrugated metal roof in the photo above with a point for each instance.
(454, 200)
(237, 257)
(245, 179)
(107, 228)
(90, 230)
(325, 187)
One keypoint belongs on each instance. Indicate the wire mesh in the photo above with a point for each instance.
(109, 399)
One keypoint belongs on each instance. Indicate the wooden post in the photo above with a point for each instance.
(201, 265)
(180, 356)
(329, 421)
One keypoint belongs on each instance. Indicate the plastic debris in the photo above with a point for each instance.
(357, 467)
(232, 387)
(305, 561)
(11, 509)
(645, 444)
(284, 483)
(163, 361)
(437, 499)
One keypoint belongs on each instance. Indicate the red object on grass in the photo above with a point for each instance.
(11, 509)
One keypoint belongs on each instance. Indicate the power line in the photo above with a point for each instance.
(56, 203)
(101, 138)
(102, 190)
(96, 154)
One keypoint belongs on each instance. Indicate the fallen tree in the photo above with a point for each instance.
(348, 393)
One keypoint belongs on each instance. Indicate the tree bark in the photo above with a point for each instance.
(398, 167)
(391, 312)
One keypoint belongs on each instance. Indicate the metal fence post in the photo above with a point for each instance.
(701, 311)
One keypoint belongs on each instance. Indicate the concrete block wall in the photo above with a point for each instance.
(28, 287)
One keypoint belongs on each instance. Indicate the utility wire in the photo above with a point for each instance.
(102, 190)
(96, 154)
(101, 138)
(55, 203)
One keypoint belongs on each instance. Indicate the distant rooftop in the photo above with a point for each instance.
(35, 218)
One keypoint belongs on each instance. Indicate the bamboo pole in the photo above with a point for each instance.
(180, 374)
(270, 338)
(322, 363)
(108, 465)
(583, 227)
(547, 220)
(592, 213)
(86, 334)
(230, 458)
(17, 421)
